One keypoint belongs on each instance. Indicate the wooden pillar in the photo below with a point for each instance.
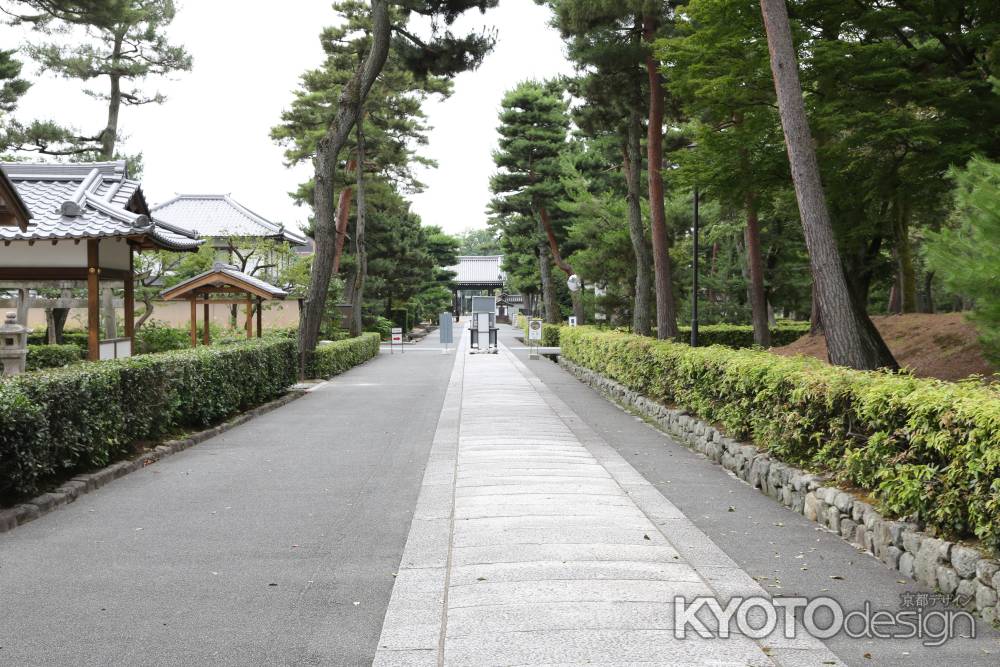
(93, 300)
(194, 320)
(130, 297)
(260, 316)
(206, 334)
(249, 324)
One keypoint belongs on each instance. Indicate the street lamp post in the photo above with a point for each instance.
(694, 278)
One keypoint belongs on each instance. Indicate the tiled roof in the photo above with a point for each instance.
(221, 216)
(479, 270)
(223, 275)
(86, 200)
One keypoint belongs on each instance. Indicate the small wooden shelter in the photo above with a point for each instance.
(223, 279)
(87, 221)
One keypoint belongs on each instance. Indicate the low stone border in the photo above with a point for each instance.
(971, 579)
(80, 485)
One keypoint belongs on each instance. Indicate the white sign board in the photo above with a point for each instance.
(572, 320)
(535, 330)
(397, 335)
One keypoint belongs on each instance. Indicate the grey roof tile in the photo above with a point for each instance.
(227, 271)
(220, 216)
(101, 192)
(478, 270)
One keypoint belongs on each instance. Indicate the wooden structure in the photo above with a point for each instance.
(222, 279)
(88, 220)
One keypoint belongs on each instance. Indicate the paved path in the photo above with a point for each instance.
(272, 544)
(535, 543)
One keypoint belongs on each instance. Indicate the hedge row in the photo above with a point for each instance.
(730, 335)
(336, 357)
(56, 423)
(52, 356)
(741, 335)
(924, 448)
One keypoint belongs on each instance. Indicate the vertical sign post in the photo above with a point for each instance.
(534, 337)
(445, 331)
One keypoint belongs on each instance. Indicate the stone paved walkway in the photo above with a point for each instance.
(534, 542)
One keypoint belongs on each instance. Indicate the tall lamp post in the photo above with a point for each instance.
(694, 277)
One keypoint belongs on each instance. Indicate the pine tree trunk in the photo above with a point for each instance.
(852, 339)
(328, 149)
(550, 303)
(904, 258)
(359, 234)
(575, 297)
(815, 319)
(109, 137)
(666, 309)
(343, 219)
(637, 233)
(929, 292)
(755, 265)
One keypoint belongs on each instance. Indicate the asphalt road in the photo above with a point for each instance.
(788, 554)
(272, 544)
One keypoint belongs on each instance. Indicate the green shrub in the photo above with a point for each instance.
(550, 333)
(78, 338)
(381, 326)
(922, 447)
(155, 336)
(741, 335)
(52, 356)
(336, 357)
(57, 422)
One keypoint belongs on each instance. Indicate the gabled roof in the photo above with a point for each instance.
(88, 200)
(221, 216)
(479, 270)
(224, 277)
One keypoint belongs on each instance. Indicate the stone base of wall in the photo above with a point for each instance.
(960, 572)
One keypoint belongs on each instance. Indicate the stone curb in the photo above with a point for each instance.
(80, 485)
(965, 574)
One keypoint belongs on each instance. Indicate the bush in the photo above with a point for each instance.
(741, 335)
(55, 423)
(154, 336)
(78, 338)
(922, 447)
(550, 333)
(335, 358)
(381, 326)
(52, 356)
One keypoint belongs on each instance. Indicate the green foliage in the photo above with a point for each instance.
(334, 358)
(923, 447)
(59, 422)
(741, 335)
(382, 326)
(78, 338)
(967, 254)
(52, 356)
(155, 336)
(550, 333)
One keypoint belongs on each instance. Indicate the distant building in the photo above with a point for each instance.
(231, 227)
(477, 275)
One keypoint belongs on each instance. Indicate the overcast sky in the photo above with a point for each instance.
(212, 134)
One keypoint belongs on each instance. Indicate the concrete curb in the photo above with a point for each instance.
(968, 577)
(81, 485)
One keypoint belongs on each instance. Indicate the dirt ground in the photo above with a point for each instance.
(942, 346)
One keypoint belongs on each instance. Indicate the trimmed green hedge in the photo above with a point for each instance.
(56, 423)
(730, 335)
(336, 357)
(922, 447)
(74, 337)
(741, 335)
(52, 356)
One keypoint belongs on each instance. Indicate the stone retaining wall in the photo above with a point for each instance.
(961, 572)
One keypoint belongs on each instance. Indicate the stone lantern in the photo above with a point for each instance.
(13, 345)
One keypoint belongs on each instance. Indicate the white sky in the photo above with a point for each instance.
(212, 134)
